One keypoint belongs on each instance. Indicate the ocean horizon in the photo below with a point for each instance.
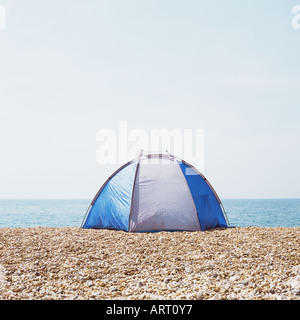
(25, 213)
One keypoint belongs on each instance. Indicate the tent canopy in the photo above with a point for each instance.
(156, 193)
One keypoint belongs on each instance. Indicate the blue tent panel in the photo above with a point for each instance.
(112, 207)
(209, 212)
(208, 207)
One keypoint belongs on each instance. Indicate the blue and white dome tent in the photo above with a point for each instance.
(156, 192)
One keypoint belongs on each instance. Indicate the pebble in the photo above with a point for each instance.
(73, 263)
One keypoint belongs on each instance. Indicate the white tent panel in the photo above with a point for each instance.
(161, 198)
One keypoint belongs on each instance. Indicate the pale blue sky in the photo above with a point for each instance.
(71, 67)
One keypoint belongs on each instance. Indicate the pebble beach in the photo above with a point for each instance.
(45, 263)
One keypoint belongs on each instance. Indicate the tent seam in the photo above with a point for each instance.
(190, 193)
(133, 187)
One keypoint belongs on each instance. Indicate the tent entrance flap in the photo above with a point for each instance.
(161, 199)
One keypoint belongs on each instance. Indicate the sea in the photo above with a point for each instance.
(70, 213)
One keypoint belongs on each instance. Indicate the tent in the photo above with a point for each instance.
(156, 192)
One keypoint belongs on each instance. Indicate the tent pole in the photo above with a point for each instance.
(225, 214)
(135, 175)
(85, 216)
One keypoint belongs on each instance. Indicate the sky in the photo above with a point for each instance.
(69, 68)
